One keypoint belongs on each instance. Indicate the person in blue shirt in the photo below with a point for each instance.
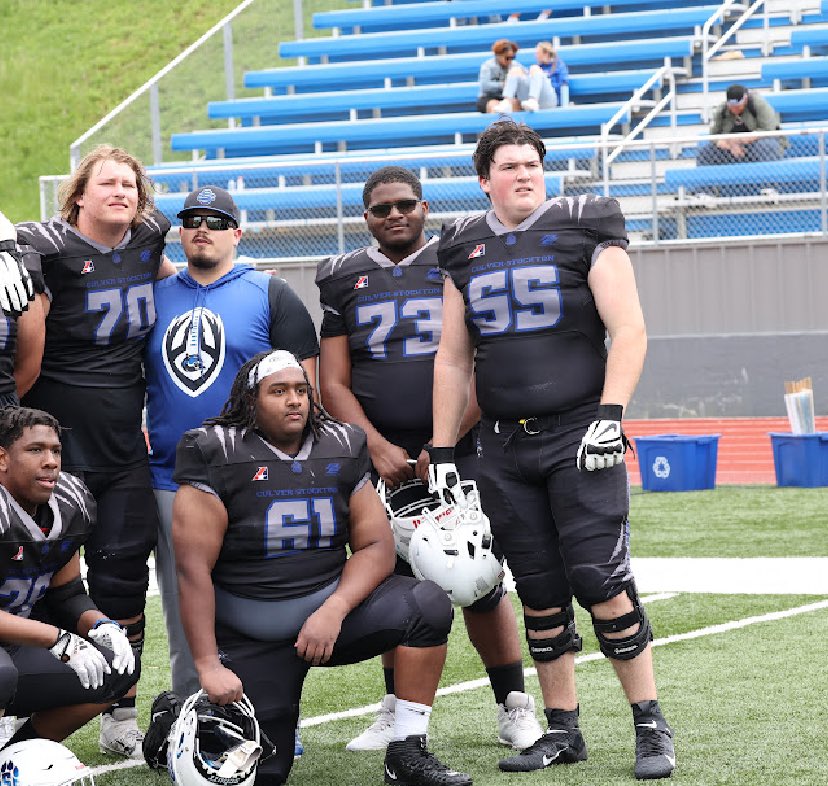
(212, 317)
(536, 88)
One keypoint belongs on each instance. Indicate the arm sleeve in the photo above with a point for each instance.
(31, 260)
(604, 222)
(291, 326)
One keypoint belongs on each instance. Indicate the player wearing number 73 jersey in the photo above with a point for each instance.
(99, 259)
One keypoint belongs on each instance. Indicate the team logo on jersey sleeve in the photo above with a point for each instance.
(260, 474)
(361, 283)
(193, 349)
(88, 267)
(478, 251)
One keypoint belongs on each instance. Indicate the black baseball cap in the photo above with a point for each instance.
(211, 198)
(736, 93)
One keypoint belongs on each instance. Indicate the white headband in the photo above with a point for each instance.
(278, 360)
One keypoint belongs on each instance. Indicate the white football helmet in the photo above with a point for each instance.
(42, 763)
(212, 744)
(452, 546)
(405, 505)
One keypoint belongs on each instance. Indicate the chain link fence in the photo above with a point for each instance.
(311, 207)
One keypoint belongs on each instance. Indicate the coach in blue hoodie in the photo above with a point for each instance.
(211, 318)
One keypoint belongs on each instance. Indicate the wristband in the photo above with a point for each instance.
(610, 412)
(440, 455)
(105, 621)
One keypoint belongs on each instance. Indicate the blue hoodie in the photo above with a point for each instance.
(202, 337)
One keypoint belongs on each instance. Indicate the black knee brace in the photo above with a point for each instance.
(118, 583)
(432, 624)
(135, 634)
(628, 647)
(551, 648)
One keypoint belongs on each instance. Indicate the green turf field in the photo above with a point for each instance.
(746, 703)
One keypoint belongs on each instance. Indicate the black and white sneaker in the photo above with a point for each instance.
(655, 756)
(557, 746)
(409, 763)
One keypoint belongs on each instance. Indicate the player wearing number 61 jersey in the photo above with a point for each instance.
(99, 260)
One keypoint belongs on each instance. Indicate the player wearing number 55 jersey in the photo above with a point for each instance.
(99, 260)
(534, 287)
(382, 321)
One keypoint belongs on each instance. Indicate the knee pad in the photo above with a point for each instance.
(551, 648)
(488, 602)
(118, 584)
(8, 681)
(628, 647)
(432, 622)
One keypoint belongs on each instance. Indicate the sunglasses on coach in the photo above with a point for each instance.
(383, 209)
(216, 223)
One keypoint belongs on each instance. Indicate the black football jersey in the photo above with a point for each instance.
(28, 557)
(393, 316)
(287, 516)
(102, 305)
(539, 338)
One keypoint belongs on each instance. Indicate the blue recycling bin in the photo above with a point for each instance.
(677, 462)
(800, 459)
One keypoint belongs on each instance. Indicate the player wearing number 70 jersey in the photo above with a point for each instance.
(99, 259)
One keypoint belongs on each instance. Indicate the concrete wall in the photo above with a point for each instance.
(728, 322)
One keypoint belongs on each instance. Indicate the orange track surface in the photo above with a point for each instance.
(745, 454)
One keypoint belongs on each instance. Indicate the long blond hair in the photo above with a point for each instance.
(75, 186)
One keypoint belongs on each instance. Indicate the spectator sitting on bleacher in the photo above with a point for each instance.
(493, 74)
(534, 89)
(742, 113)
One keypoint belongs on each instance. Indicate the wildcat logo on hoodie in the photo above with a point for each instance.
(193, 350)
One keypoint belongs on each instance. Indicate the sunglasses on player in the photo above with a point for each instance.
(404, 206)
(216, 223)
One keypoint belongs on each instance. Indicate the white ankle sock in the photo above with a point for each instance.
(410, 718)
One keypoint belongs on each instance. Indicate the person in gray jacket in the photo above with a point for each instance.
(493, 73)
(744, 113)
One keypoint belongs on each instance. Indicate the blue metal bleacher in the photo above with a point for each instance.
(410, 41)
(810, 35)
(422, 14)
(459, 67)
(285, 108)
(385, 131)
(811, 103)
(804, 68)
(802, 171)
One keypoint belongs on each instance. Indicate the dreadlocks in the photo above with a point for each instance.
(239, 410)
(14, 420)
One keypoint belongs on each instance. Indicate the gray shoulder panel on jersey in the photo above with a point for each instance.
(73, 492)
(344, 433)
(452, 229)
(332, 265)
(45, 237)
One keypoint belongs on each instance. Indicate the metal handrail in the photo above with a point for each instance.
(708, 52)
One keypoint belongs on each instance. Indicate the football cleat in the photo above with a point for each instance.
(557, 746)
(655, 755)
(516, 722)
(409, 763)
(120, 735)
(163, 714)
(377, 736)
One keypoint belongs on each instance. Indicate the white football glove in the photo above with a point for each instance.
(604, 443)
(109, 634)
(443, 477)
(82, 657)
(16, 288)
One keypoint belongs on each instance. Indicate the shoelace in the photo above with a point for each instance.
(650, 742)
(520, 716)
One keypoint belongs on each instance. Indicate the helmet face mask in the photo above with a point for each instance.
(212, 744)
(452, 547)
(405, 505)
(42, 763)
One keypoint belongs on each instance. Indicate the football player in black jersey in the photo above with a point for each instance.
(382, 317)
(99, 259)
(21, 323)
(62, 662)
(271, 493)
(533, 288)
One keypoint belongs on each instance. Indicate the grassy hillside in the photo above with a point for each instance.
(64, 65)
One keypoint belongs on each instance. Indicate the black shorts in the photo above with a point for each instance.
(273, 674)
(563, 532)
(44, 683)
